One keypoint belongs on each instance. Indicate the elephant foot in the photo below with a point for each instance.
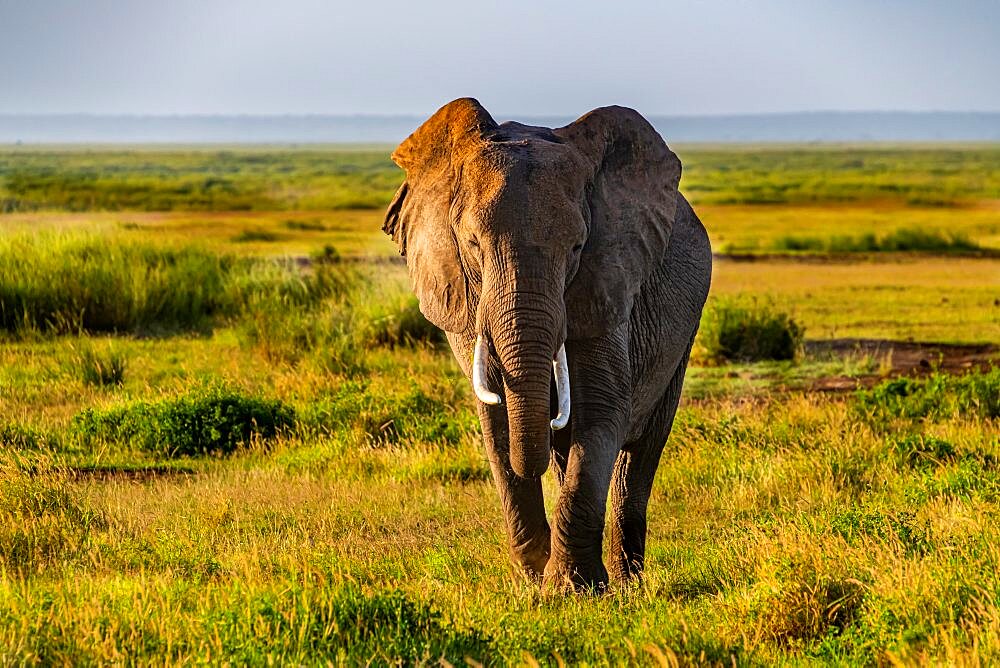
(628, 571)
(566, 576)
(532, 558)
(628, 577)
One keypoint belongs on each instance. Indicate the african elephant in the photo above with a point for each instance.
(567, 271)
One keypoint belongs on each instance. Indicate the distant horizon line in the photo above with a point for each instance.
(786, 126)
(408, 115)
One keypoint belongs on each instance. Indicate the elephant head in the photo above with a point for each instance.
(527, 236)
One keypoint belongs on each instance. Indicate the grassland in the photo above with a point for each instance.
(218, 445)
(322, 178)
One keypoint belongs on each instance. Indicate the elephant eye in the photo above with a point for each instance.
(577, 248)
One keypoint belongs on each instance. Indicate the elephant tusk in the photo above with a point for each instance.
(479, 357)
(561, 371)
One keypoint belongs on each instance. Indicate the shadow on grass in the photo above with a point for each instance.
(137, 472)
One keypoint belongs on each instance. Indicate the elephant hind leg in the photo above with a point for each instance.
(632, 482)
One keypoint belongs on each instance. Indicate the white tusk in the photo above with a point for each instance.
(479, 357)
(561, 371)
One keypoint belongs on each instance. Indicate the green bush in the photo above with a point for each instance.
(207, 422)
(749, 332)
(936, 396)
(306, 225)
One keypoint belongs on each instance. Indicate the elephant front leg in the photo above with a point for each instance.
(576, 561)
(523, 503)
(522, 500)
(599, 379)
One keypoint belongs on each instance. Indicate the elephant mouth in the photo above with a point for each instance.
(560, 371)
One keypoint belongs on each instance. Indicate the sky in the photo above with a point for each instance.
(527, 57)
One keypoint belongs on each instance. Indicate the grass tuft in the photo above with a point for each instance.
(102, 369)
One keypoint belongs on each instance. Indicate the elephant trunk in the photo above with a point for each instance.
(525, 336)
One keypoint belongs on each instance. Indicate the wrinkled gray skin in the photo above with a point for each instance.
(534, 237)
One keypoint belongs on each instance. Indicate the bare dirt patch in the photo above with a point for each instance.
(901, 358)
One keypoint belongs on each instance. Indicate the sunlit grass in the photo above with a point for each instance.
(780, 528)
(786, 526)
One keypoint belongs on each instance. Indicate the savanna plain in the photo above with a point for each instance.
(227, 435)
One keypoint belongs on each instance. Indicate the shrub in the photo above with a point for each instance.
(735, 332)
(211, 421)
(913, 239)
(326, 255)
(938, 395)
(792, 243)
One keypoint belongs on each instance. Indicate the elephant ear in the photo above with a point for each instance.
(632, 201)
(419, 218)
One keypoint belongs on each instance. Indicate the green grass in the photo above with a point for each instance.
(71, 283)
(900, 298)
(324, 178)
(235, 179)
(919, 175)
(782, 530)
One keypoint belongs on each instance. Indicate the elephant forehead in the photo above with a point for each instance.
(524, 169)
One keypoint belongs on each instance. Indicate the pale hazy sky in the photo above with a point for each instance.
(521, 56)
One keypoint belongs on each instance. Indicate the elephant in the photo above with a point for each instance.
(569, 275)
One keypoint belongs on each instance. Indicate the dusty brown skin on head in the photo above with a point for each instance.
(531, 236)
